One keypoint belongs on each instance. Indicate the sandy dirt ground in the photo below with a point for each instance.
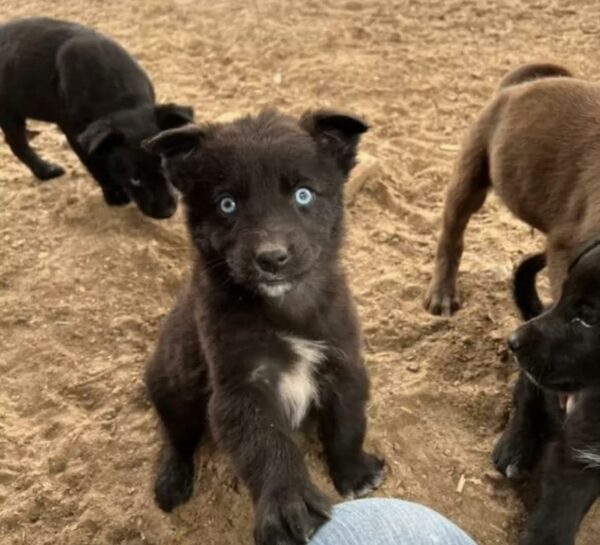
(83, 288)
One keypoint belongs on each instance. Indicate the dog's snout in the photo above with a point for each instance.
(272, 259)
(514, 342)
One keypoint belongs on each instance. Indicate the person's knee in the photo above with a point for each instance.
(380, 521)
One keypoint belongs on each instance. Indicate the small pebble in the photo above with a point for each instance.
(414, 366)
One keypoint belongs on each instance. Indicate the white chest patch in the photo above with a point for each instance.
(298, 388)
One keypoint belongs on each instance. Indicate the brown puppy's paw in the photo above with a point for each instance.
(361, 478)
(290, 515)
(442, 300)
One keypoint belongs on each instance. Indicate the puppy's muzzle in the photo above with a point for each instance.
(514, 342)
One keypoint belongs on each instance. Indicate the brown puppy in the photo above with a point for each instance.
(537, 143)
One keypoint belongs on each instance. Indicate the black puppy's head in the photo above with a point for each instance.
(560, 349)
(264, 194)
(116, 142)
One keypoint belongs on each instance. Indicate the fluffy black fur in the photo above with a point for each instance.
(267, 317)
(101, 99)
(557, 399)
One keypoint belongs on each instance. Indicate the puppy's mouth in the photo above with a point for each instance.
(566, 387)
(567, 392)
(275, 288)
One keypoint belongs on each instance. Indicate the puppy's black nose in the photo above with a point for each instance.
(273, 259)
(514, 342)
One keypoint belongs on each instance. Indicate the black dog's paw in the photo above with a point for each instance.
(115, 196)
(174, 481)
(48, 171)
(516, 452)
(359, 478)
(290, 515)
(547, 535)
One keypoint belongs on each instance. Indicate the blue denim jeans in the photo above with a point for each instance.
(379, 521)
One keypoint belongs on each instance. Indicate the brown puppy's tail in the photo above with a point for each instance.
(524, 291)
(530, 72)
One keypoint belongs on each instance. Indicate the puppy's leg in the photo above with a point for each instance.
(558, 260)
(343, 426)
(248, 423)
(16, 137)
(521, 444)
(466, 194)
(113, 193)
(177, 382)
(568, 491)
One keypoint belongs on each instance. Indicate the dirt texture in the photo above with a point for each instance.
(83, 287)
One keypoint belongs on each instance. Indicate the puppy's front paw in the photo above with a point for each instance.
(290, 515)
(544, 536)
(516, 452)
(47, 171)
(115, 196)
(357, 479)
(174, 480)
(442, 299)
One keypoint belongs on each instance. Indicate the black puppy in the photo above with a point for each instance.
(557, 399)
(266, 330)
(99, 96)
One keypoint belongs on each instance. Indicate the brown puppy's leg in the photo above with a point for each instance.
(558, 260)
(466, 194)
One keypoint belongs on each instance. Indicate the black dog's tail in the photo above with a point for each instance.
(530, 72)
(524, 291)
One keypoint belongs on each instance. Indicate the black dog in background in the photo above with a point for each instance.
(101, 99)
(266, 330)
(557, 398)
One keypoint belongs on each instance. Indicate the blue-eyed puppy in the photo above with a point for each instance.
(265, 332)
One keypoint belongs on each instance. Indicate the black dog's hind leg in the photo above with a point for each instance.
(568, 491)
(114, 195)
(176, 380)
(15, 134)
(343, 427)
(521, 444)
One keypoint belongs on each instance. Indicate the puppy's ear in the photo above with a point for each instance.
(178, 142)
(336, 133)
(98, 134)
(169, 116)
(175, 146)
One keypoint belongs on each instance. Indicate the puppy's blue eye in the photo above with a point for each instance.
(227, 205)
(304, 196)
